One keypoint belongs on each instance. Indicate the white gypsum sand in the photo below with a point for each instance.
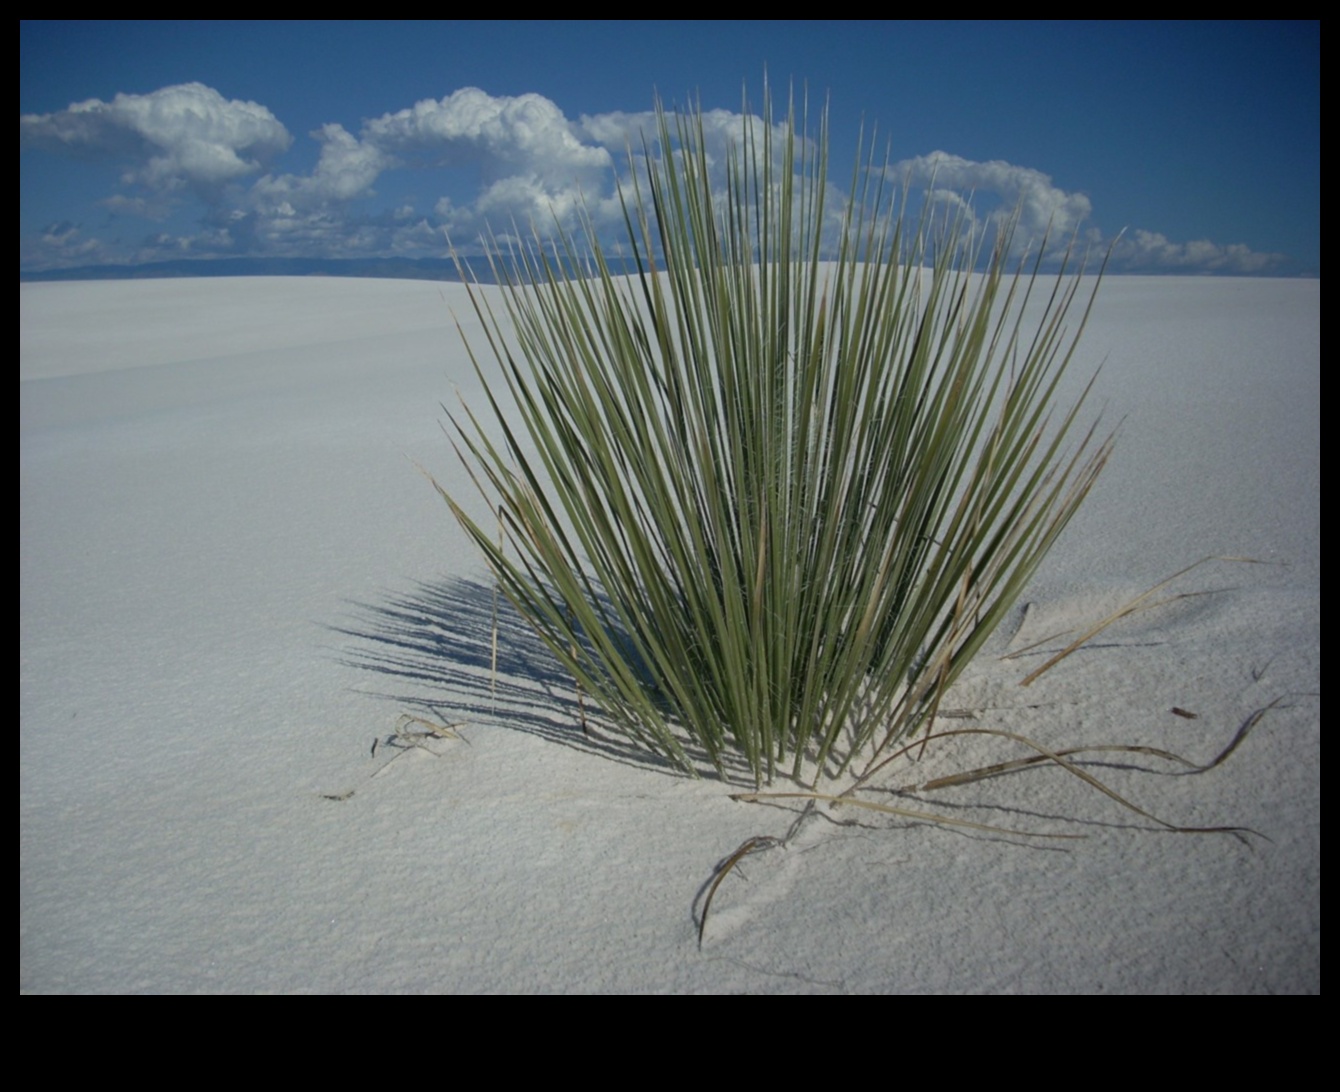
(232, 580)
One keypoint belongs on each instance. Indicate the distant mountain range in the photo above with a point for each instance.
(417, 269)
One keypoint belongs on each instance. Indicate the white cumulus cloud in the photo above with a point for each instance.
(346, 170)
(963, 183)
(1041, 203)
(487, 162)
(525, 134)
(187, 135)
(1151, 250)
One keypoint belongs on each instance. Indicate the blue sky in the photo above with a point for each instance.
(142, 142)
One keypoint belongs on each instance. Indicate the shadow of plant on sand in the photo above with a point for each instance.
(459, 637)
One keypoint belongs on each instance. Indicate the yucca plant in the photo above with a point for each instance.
(773, 481)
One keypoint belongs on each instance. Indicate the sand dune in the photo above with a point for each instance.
(232, 580)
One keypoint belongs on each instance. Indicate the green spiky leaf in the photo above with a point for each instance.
(769, 487)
